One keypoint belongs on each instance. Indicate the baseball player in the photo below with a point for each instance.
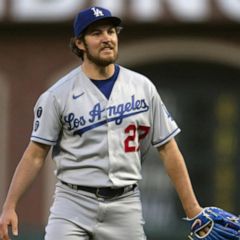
(100, 119)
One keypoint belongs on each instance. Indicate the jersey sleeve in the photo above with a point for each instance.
(164, 126)
(47, 123)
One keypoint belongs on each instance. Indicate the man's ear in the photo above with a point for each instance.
(79, 43)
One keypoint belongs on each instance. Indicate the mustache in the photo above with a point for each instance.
(107, 45)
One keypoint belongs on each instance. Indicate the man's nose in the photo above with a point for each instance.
(106, 37)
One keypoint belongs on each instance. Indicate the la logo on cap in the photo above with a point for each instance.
(97, 12)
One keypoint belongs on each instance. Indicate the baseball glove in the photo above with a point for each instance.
(214, 224)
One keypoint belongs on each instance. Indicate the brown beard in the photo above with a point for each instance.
(98, 61)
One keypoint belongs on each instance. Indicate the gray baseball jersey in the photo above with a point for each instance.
(97, 141)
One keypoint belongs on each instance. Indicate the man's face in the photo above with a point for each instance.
(100, 44)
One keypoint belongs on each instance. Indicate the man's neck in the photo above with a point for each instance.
(93, 71)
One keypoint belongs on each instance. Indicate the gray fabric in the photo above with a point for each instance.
(79, 215)
(99, 142)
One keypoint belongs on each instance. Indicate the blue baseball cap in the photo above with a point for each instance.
(91, 15)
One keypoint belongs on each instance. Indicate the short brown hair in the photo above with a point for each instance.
(75, 48)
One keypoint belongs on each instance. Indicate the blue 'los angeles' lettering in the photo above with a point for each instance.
(120, 110)
(114, 113)
(74, 122)
(96, 113)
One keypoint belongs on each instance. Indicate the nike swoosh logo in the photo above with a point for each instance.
(77, 96)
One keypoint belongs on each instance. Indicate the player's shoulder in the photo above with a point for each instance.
(137, 78)
(66, 81)
(61, 88)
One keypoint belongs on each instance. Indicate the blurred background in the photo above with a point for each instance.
(189, 49)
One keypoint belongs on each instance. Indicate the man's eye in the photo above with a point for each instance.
(95, 33)
(111, 31)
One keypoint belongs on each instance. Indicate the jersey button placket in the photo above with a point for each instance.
(110, 148)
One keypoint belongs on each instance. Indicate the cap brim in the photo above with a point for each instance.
(114, 20)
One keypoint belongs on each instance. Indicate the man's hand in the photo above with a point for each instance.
(8, 218)
(214, 223)
(25, 173)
